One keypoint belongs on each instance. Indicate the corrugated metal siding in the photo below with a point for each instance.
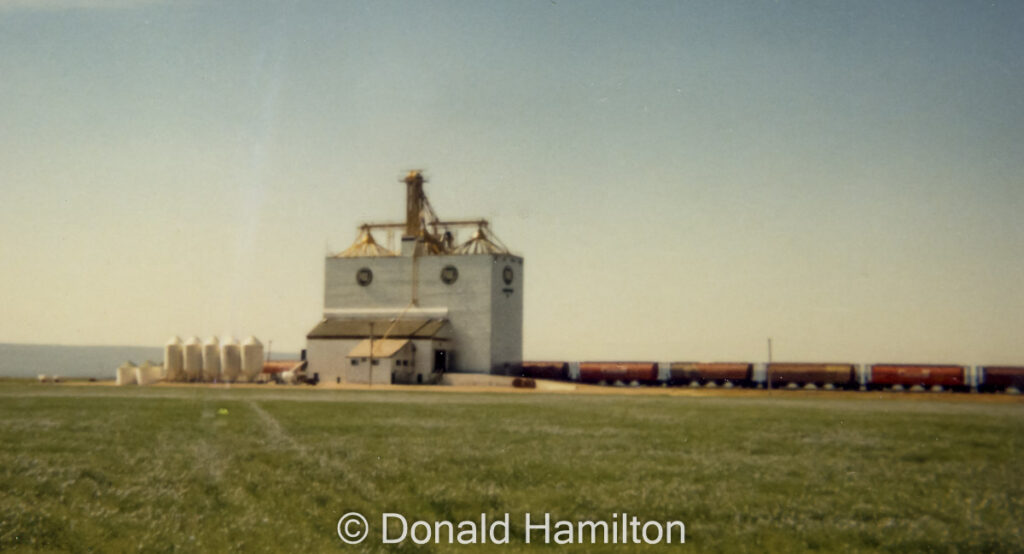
(485, 320)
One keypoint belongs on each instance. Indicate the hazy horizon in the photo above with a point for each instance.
(684, 180)
(81, 361)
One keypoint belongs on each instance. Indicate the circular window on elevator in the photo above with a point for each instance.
(449, 274)
(364, 276)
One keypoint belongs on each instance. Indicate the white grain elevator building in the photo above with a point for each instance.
(434, 306)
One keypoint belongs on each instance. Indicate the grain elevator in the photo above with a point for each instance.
(407, 315)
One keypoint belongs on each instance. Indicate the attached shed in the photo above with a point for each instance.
(382, 361)
(414, 350)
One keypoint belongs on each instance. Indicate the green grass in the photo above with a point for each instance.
(160, 469)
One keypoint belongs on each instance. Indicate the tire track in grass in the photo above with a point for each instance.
(275, 431)
(314, 459)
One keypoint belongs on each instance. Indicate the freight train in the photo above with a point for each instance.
(843, 376)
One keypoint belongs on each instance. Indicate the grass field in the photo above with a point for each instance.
(166, 469)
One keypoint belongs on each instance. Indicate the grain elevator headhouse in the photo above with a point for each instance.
(450, 299)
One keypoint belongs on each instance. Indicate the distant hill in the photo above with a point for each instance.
(29, 360)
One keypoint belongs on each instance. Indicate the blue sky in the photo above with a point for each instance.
(684, 179)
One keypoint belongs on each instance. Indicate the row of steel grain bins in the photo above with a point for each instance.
(213, 360)
(145, 374)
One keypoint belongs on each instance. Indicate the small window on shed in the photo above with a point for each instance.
(355, 361)
(376, 362)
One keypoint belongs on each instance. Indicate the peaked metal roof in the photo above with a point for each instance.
(382, 348)
(365, 246)
(480, 243)
(412, 328)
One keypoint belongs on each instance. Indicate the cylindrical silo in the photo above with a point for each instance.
(230, 360)
(211, 360)
(126, 374)
(147, 374)
(252, 358)
(192, 356)
(173, 360)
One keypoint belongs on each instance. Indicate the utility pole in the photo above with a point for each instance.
(371, 354)
(768, 368)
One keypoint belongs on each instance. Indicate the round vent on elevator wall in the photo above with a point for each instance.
(449, 274)
(364, 276)
(507, 275)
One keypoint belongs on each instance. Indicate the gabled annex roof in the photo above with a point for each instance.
(382, 348)
(352, 328)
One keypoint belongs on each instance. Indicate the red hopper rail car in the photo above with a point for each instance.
(737, 373)
(558, 371)
(1000, 377)
(819, 374)
(909, 375)
(645, 373)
